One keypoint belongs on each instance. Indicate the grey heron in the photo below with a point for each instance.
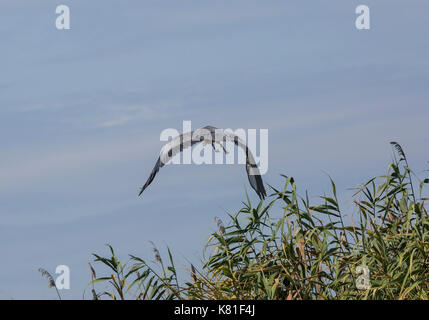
(208, 135)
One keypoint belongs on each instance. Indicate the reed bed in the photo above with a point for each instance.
(299, 251)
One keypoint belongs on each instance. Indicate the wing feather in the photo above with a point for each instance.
(252, 170)
(155, 170)
(170, 149)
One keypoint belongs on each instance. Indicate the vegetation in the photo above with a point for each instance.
(286, 248)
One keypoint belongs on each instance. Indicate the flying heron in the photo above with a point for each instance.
(208, 135)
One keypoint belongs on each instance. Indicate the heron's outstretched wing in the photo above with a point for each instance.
(256, 182)
(155, 170)
(172, 148)
(253, 174)
(252, 170)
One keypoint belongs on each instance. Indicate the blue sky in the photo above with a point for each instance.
(81, 112)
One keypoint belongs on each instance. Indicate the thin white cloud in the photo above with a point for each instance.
(125, 114)
(121, 120)
(18, 173)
